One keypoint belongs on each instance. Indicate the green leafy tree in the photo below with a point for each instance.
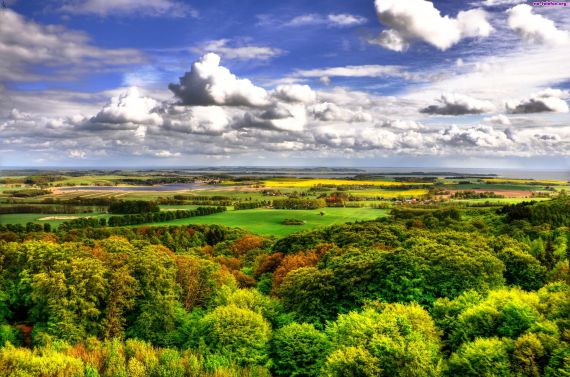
(239, 333)
(352, 362)
(298, 350)
(68, 298)
(155, 308)
(310, 294)
(402, 338)
(123, 288)
(484, 357)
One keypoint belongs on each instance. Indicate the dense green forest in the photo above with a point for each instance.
(424, 292)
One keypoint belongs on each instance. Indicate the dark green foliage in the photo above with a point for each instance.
(360, 234)
(133, 207)
(293, 222)
(162, 216)
(28, 193)
(251, 205)
(80, 223)
(421, 270)
(310, 294)
(293, 203)
(555, 212)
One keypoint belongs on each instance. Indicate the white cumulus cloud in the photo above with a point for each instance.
(295, 93)
(420, 20)
(208, 83)
(129, 107)
(535, 27)
(549, 100)
(330, 112)
(458, 104)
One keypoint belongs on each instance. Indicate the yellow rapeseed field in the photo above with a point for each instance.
(388, 194)
(524, 181)
(336, 182)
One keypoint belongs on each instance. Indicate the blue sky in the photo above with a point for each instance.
(352, 83)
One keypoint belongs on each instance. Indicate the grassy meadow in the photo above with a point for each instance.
(268, 222)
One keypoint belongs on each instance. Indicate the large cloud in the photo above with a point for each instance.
(534, 27)
(549, 100)
(420, 20)
(129, 107)
(25, 44)
(208, 83)
(458, 104)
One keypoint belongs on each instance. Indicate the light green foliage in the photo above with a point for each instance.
(484, 357)
(269, 307)
(242, 334)
(352, 362)
(7, 335)
(67, 296)
(504, 313)
(403, 338)
(155, 271)
(19, 362)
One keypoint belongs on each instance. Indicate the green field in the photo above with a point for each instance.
(268, 221)
(23, 218)
(260, 221)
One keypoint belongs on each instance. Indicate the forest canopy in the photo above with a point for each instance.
(421, 293)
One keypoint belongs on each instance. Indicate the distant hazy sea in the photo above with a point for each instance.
(316, 172)
(324, 172)
(563, 175)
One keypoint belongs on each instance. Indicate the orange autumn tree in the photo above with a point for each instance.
(301, 259)
(246, 244)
